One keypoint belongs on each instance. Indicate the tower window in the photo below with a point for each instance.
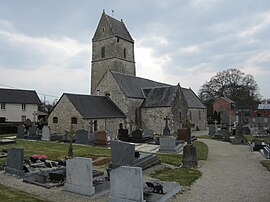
(103, 29)
(103, 52)
(125, 53)
(117, 40)
(55, 120)
(95, 126)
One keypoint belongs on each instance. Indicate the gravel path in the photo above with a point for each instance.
(231, 173)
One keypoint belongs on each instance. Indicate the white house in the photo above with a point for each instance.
(18, 105)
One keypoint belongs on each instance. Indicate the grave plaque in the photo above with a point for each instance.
(148, 133)
(46, 133)
(126, 184)
(20, 132)
(15, 162)
(79, 177)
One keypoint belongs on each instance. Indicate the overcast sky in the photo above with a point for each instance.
(46, 45)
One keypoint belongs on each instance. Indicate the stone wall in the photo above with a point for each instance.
(64, 111)
(199, 118)
(153, 118)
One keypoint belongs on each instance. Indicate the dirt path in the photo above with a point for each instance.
(231, 173)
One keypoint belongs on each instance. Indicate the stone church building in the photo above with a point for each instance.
(144, 102)
(119, 96)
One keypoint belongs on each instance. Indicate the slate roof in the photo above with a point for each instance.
(156, 93)
(192, 99)
(159, 97)
(90, 106)
(19, 96)
(132, 85)
(119, 29)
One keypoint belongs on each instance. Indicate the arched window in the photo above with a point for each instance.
(74, 120)
(55, 120)
(103, 52)
(125, 53)
(95, 126)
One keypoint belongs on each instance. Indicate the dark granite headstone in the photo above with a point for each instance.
(15, 162)
(182, 134)
(33, 131)
(123, 135)
(239, 135)
(189, 156)
(247, 130)
(20, 132)
(148, 133)
(212, 129)
(166, 130)
(81, 137)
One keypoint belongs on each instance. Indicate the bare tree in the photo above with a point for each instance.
(236, 85)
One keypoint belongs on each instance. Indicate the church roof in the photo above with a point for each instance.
(19, 96)
(132, 86)
(117, 28)
(192, 99)
(90, 106)
(159, 97)
(156, 93)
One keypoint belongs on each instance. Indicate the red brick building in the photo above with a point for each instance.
(227, 110)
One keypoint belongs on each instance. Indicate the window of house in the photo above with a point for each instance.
(190, 115)
(200, 116)
(55, 120)
(74, 120)
(23, 119)
(23, 107)
(125, 53)
(95, 126)
(3, 106)
(103, 52)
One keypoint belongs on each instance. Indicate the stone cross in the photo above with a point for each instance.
(215, 121)
(166, 130)
(91, 126)
(188, 125)
(131, 125)
(34, 117)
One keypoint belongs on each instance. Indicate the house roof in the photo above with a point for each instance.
(132, 86)
(159, 96)
(19, 96)
(226, 99)
(90, 106)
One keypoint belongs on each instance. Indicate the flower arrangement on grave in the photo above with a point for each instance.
(36, 157)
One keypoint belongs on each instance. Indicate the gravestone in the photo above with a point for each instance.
(266, 152)
(91, 137)
(247, 130)
(126, 184)
(46, 133)
(148, 133)
(169, 144)
(182, 134)
(212, 129)
(102, 138)
(20, 132)
(139, 136)
(189, 152)
(257, 145)
(123, 135)
(81, 137)
(14, 164)
(79, 177)
(122, 153)
(166, 130)
(224, 132)
(33, 131)
(239, 135)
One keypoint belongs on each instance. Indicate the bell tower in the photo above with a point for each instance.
(112, 49)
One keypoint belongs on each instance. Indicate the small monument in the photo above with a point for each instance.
(189, 152)
(14, 165)
(166, 130)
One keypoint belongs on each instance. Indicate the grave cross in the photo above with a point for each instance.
(188, 124)
(166, 130)
(34, 117)
(131, 125)
(166, 119)
(91, 126)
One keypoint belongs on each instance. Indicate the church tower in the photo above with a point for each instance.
(112, 49)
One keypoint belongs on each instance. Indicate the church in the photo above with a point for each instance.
(134, 102)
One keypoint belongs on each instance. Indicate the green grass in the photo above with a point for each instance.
(201, 150)
(55, 151)
(184, 176)
(249, 138)
(14, 195)
(266, 163)
(173, 159)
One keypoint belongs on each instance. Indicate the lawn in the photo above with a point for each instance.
(14, 195)
(249, 138)
(55, 151)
